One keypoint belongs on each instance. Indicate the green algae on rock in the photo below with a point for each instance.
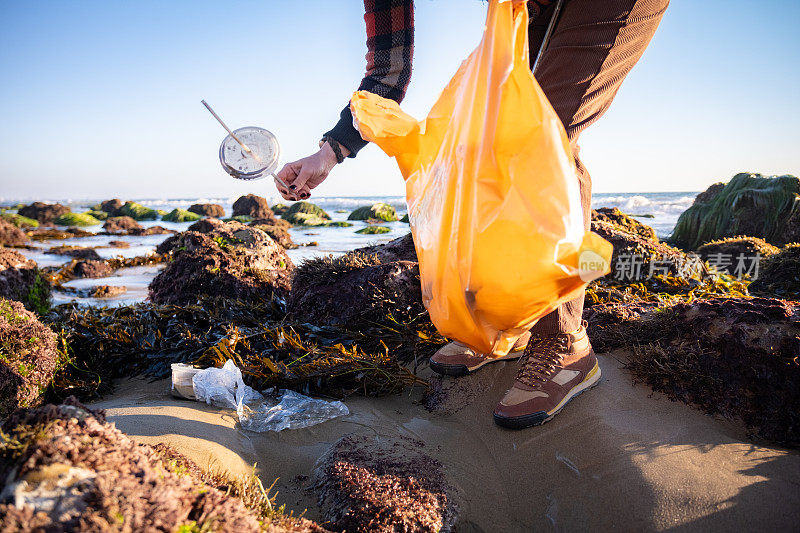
(305, 214)
(77, 219)
(750, 204)
(379, 211)
(28, 357)
(137, 211)
(181, 215)
(19, 220)
(374, 230)
(99, 215)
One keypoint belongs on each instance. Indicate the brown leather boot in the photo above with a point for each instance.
(456, 359)
(555, 369)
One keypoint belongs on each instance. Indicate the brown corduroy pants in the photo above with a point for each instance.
(593, 46)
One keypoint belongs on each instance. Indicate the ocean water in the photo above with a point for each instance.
(658, 210)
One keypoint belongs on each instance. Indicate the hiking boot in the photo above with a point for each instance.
(555, 369)
(456, 359)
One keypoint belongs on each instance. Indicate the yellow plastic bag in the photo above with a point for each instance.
(492, 193)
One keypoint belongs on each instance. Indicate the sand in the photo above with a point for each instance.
(620, 456)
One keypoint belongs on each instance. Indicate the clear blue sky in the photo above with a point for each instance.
(101, 99)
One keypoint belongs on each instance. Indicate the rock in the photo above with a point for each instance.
(405, 219)
(19, 220)
(307, 219)
(28, 357)
(750, 204)
(727, 255)
(779, 275)
(111, 207)
(137, 211)
(372, 484)
(208, 210)
(21, 280)
(252, 206)
(47, 234)
(92, 269)
(614, 216)
(42, 212)
(374, 230)
(10, 235)
(77, 232)
(79, 473)
(368, 283)
(378, 211)
(230, 260)
(108, 291)
(735, 357)
(278, 233)
(279, 209)
(400, 249)
(637, 250)
(338, 224)
(119, 244)
(302, 213)
(77, 219)
(181, 215)
(709, 194)
(79, 252)
(152, 230)
(121, 225)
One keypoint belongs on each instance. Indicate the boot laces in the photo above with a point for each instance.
(542, 358)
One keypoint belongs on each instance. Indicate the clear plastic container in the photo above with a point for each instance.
(182, 375)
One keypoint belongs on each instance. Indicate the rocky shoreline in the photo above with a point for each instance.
(687, 314)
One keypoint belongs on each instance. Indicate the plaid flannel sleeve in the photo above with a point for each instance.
(390, 49)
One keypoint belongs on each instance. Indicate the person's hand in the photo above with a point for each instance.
(305, 174)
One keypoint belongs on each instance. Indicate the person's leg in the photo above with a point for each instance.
(593, 46)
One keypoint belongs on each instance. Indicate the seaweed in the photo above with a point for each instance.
(367, 357)
(733, 357)
(780, 274)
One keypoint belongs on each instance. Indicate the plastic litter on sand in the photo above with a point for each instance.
(275, 411)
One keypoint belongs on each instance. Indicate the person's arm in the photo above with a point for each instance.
(390, 47)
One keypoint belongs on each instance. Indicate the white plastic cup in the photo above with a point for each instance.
(182, 375)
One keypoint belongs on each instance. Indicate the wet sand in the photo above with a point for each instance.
(620, 456)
